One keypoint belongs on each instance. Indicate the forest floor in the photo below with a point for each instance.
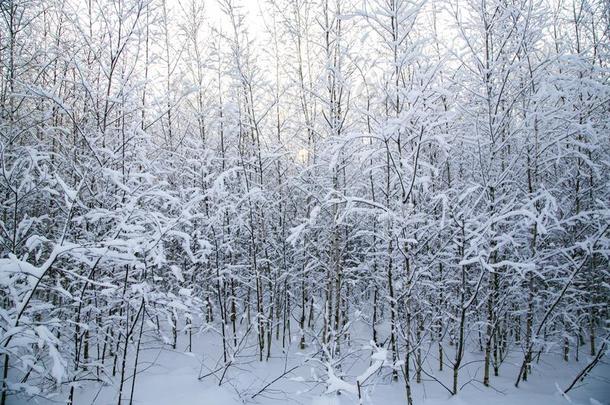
(168, 377)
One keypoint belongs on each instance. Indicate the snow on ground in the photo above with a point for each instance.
(171, 377)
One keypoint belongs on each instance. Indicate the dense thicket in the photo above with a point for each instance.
(438, 171)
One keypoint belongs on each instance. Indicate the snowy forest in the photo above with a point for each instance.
(304, 202)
